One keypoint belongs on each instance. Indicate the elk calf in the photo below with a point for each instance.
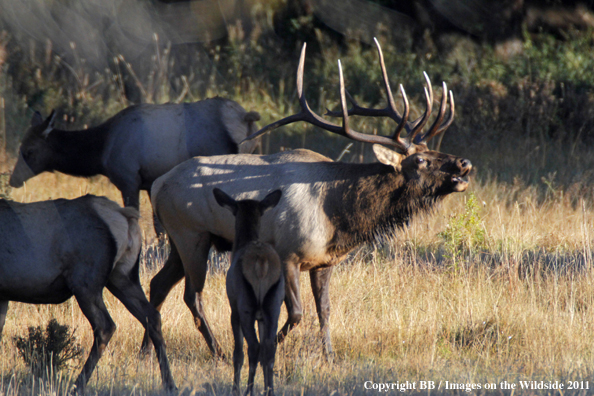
(53, 250)
(255, 287)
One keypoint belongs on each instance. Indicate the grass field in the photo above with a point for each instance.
(516, 307)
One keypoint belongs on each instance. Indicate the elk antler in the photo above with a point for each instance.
(408, 145)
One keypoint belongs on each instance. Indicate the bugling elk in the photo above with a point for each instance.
(328, 208)
(255, 288)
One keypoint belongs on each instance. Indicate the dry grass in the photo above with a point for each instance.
(520, 310)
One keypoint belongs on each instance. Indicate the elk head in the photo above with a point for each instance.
(34, 153)
(410, 154)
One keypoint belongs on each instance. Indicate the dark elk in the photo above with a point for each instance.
(53, 250)
(328, 208)
(137, 145)
(255, 288)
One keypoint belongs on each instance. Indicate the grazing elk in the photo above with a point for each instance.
(137, 145)
(53, 250)
(328, 208)
(255, 287)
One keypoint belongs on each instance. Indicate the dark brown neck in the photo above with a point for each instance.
(371, 204)
(79, 153)
(247, 226)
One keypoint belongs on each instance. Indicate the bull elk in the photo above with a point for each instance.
(53, 250)
(328, 208)
(137, 145)
(255, 288)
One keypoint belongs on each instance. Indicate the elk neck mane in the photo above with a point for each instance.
(79, 152)
(372, 200)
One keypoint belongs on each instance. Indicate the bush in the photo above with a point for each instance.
(465, 232)
(49, 350)
(5, 188)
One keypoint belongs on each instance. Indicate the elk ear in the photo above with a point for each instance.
(36, 120)
(48, 124)
(225, 201)
(387, 156)
(271, 200)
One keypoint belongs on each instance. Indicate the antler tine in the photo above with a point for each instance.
(439, 126)
(403, 123)
(351, 111)
(306, 114)
(447, 124)
(295, 117)
(418, 124)
(437, 123)
(391, 107)
(345, 113)
(388, 111)
(396, 142)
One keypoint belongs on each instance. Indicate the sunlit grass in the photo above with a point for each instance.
(520, 310)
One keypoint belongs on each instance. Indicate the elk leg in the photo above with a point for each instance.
(103, 327)
(292, 300)
(159, 230)
(3, 311)
(195, 279)
(237, 350)
(161, 284)
(249, 332)
(129, 291)
(267, 332)
(128, 186)
(320, 286)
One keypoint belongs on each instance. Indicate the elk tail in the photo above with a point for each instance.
(251, 116)
(262, 269)
(132, 215)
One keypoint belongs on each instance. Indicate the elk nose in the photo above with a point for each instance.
(464, 163)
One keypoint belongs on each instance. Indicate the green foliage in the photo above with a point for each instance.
(4, 186)
(465, 232)
(520, 116)
(470, 338)
(49, 350)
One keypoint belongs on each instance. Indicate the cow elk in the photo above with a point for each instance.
(328, 208)
(53, 250)
(137, 145)
(255, 287)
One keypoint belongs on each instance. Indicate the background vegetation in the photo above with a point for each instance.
(497, 285)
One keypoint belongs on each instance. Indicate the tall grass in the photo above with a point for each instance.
(517, 310)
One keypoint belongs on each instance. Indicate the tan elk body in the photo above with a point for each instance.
(255, 288)
(328, 208)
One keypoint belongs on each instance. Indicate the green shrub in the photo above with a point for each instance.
(4, 186)
(465, 233)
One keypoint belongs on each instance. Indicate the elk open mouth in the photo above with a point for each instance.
(460, 181)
